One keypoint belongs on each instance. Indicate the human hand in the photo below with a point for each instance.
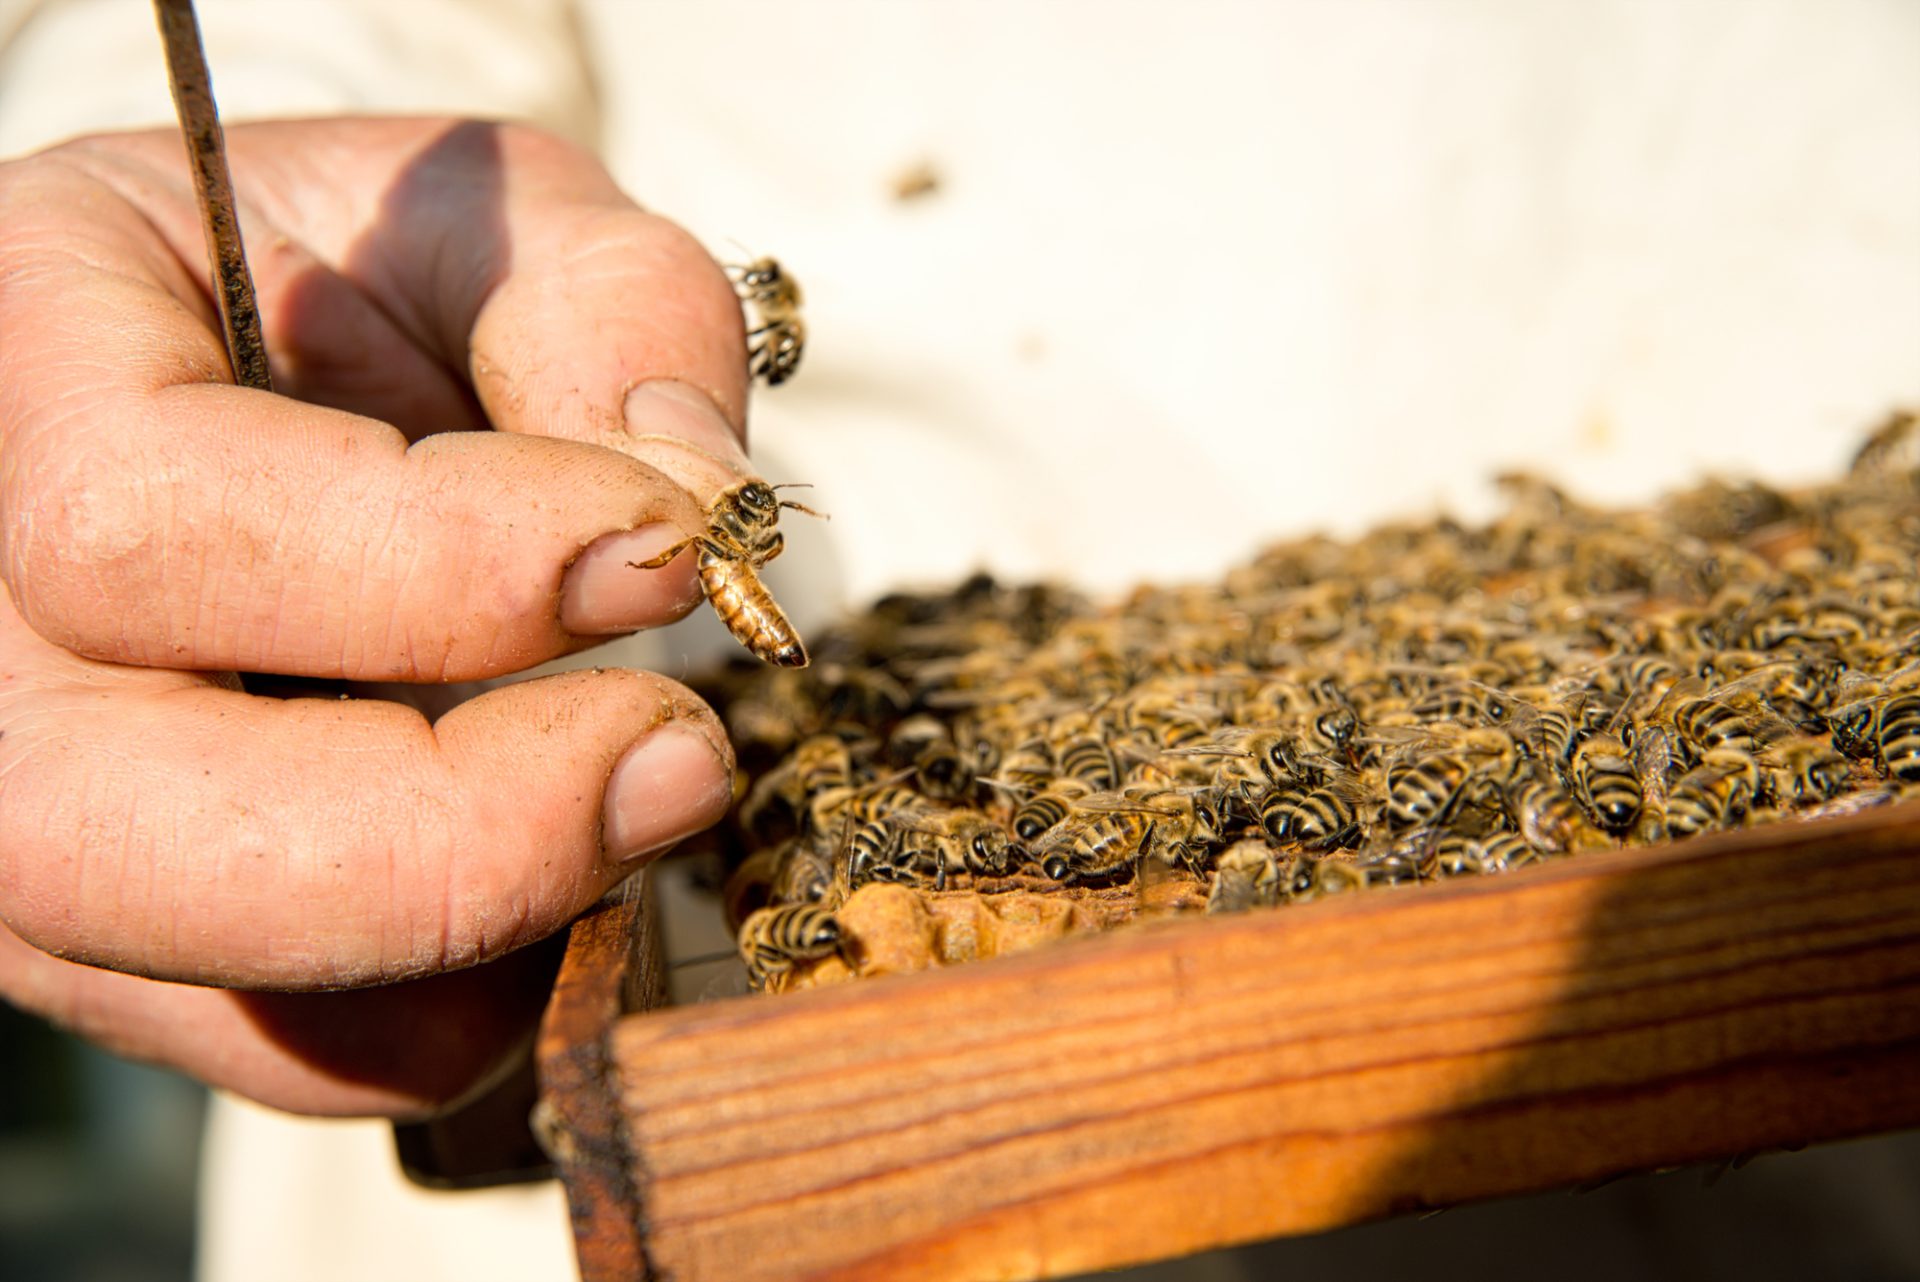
(419, 282)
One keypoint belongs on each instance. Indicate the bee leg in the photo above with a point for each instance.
(802, 507)
(655, 562)
(775, 545)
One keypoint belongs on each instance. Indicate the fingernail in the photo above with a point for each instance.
(679, 429)
(604, 592)
(670, 784)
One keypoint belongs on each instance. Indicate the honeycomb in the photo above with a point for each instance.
(983, 770)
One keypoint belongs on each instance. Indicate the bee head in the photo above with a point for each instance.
(993, 851)
(758, 497)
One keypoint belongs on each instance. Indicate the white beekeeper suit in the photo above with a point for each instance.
(1187, 277)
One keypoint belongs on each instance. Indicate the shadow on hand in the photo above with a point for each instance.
(442, 1041)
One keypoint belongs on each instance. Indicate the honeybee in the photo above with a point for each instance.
(802, 876)
(775, 940)
(1045, 811)
(1714, 794)
(1805, 771)
(741, 536)
(1253, 762)
(775, 347)
(1604, 782)
(1317, 878)
(1088, 759)
(1110, 831)
(868, 849)
(1427, 790)
(1317, 819)
(1898, 737)
(1548, 817)
(924, 745)
(1027, 768)
(820, 762)
(1894, 445)
(1246, 875)
(856, 816)
(1722, 720)
(1501, 851)
(961, 841)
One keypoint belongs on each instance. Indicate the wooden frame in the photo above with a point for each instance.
(1208, 1082)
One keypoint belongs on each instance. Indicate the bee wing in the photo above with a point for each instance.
(1113, 804)
(1679, 692)
(1401, 743)
(1353, 786)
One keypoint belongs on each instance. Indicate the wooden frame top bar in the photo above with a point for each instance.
(1200, 1083)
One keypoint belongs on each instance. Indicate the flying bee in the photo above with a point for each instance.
(1604, 782)
(775, 347)
(775, 940)
(741, 536)
(1803, 771)
(1246, 875)
(1715, 794)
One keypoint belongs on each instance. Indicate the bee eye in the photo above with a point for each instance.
(982, 847)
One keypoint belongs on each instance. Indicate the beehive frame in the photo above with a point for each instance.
(1207, 1082)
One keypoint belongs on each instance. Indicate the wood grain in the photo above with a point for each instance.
(613, 968)
(1207, 1082)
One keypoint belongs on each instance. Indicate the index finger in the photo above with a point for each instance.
(354, 561)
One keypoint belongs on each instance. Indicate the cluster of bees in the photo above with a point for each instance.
(1430, 701)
